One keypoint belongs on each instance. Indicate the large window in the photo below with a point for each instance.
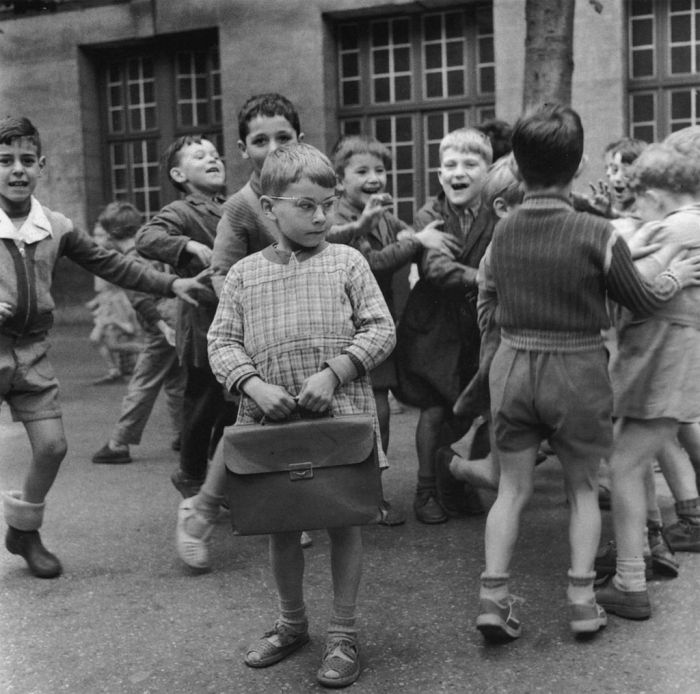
(152, 94)
(410, 79)
(664, 66)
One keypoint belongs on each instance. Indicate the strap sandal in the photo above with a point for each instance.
(264, 652)
(340, 666)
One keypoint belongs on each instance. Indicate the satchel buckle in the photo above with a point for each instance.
(300, 471)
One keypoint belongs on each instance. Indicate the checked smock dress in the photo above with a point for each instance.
(285, 316)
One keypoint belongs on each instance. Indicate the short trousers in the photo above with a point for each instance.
(565, 397)
(27, 380)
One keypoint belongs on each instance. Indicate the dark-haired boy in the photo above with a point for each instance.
(32, 239)
(550, 268)
(265, 122)
(182, 236)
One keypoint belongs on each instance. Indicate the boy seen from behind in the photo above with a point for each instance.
(550, 268)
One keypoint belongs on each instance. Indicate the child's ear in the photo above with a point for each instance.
(300, 137)
(500, 207)
(177, 175)
(582, 166)
(266, 204)
(242, 149)
(42, 164)
(339, 183)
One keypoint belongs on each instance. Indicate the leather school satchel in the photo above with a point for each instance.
(302, 474)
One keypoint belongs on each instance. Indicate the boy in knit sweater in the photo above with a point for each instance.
(550, 269)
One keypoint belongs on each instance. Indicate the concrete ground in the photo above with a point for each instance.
(127, 618)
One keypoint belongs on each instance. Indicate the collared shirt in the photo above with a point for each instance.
(34, 228)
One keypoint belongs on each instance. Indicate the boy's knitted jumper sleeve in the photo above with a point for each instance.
(115, 267)
(627, 287)
(375, 334)
(229, 361)
(487, 301)
(234, 228)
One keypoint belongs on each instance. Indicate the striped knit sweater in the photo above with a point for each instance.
(551, 269)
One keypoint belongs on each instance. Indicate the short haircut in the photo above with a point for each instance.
(468, 140)
(499, 132)
(293, 162)
(686, 140)
(502, 181)
(120, 220)
(548, 145)
(14, 128)
(664, 167)
(269, 105)
(629, 148)
(349, 145)
(171, 156)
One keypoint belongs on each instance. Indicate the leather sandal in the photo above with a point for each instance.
(264, 652)
(340, 666)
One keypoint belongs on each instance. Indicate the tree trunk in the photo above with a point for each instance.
(549, 62)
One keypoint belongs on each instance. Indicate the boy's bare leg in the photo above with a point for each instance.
(24, 510)
(638, 441)
(381, 399)
(48, 441)
(291, 628)
(503, 522)
(678, 471)
(689, 437)
(581, 483)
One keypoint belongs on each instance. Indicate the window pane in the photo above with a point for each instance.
(455, 120)
(642, 7)
(402, 60)
(680, 60)
(433, 56)
(455, 54)
(643, 108)
(644, 132)
(351, 93)
(643, 63)
(404, 129)
(455, 83)
(404, 185)
(380, 62)
(680, 28)
(348, 37)
(433, 85)
(486, 54)
(350, 65)
(351, 127)
(402, 86)
(116, 122)
(380, 34)
(432, 27)
(487, 80)
(404, 211)
(434, 155)
(381, 90)
(434, 127)
(642, 32)
(484, 19)
(185, 115)
(402, 31)
(453, 25)
(404, 157)
(680, 5)
(382, 129)
(680, 105)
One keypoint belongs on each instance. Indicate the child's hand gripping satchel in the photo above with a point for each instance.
(302, 474)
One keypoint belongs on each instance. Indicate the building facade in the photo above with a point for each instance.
(111, 83)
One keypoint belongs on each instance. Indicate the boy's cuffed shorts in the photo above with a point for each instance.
(565, 397)
(27, 380)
